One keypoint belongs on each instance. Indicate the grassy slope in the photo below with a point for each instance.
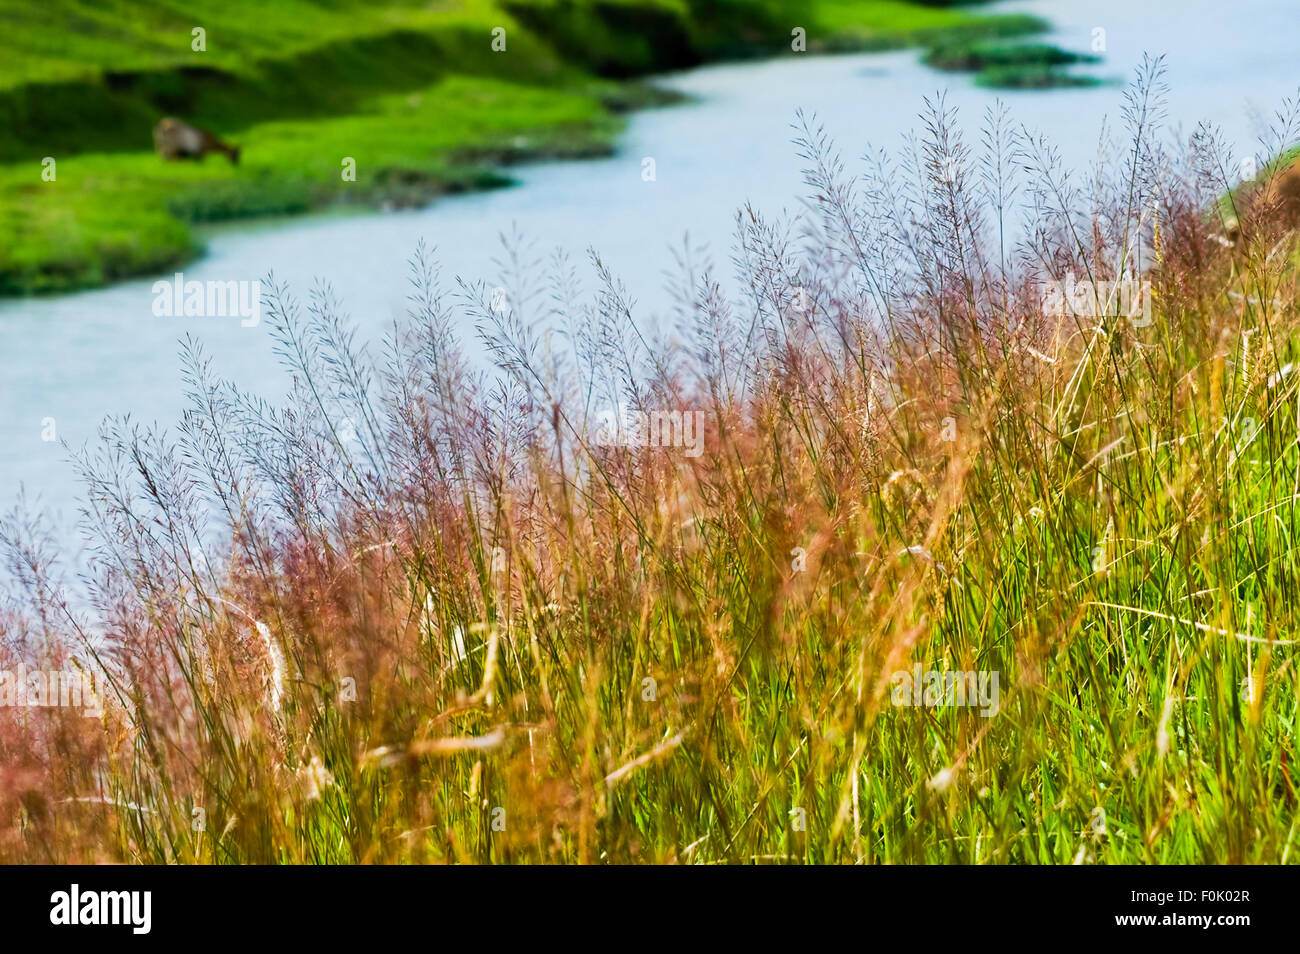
(302, 85)
(1110, 526)
(75, 39)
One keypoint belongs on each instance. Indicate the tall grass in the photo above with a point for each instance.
(417, 613)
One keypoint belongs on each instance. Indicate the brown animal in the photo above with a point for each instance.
(174, 139)
(1274, 200)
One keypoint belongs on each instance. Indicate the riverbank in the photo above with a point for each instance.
(387, 107)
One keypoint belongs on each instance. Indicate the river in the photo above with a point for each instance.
(75, 358)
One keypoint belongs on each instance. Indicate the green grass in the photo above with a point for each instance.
(66, 40)
(109, 216)
(303, 84)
